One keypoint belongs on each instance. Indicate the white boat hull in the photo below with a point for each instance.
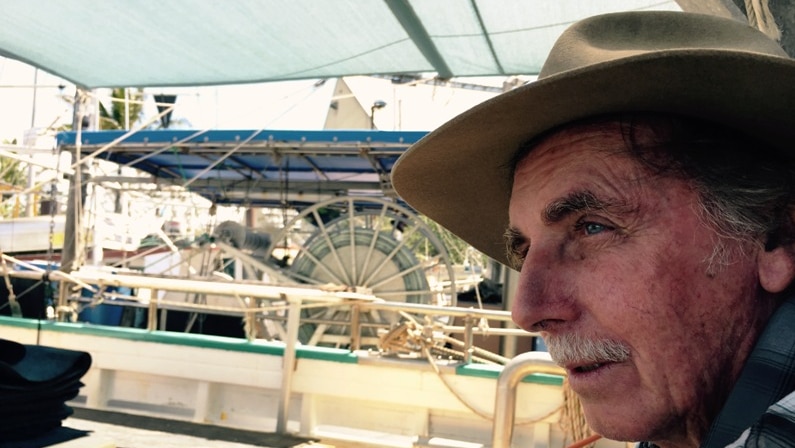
(335, 395)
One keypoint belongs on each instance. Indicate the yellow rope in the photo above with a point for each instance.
(410, 337)
(572, 418)
(762, 18)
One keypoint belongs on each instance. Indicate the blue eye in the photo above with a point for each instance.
(592, 228)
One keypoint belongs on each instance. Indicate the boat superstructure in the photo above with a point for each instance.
(349, 310)
(352, 303)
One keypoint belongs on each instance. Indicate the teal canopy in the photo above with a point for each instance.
(151, 43)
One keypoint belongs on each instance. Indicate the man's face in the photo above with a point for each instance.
(611, 252)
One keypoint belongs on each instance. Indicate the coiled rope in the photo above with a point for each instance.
(410, 336)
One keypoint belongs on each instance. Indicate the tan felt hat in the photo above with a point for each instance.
(688, 64)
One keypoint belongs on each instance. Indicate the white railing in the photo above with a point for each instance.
(505, 403)
(258, 300)
(292, 300)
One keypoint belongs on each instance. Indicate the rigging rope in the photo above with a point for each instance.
(762, 18)
(53, 203)
(16, 310)
(410, 337)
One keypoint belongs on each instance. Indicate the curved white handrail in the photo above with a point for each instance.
(505, 403)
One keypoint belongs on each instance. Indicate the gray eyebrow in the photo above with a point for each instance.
(574, 202)
(556, 211)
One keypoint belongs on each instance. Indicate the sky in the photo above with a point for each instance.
(292, 105)
(17, 113)
(299, 105)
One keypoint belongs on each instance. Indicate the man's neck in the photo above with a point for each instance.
(767, 377)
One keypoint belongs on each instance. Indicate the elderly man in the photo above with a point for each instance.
(644, 186)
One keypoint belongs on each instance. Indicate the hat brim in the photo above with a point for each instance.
(458, 176)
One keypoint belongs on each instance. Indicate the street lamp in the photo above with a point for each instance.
(377, 104)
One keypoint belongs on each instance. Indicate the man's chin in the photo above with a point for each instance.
(619, 426)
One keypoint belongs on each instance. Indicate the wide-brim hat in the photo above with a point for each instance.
(688, 64)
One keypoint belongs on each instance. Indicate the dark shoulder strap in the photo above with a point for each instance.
(767, 377)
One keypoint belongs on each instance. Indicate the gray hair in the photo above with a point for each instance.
(746, 188)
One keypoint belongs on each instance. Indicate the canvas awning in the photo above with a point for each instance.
(141, 43)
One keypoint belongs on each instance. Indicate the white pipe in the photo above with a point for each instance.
(288, 360)
(215, 287)
(505, 402)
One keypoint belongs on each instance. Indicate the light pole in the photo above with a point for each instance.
(377, 104)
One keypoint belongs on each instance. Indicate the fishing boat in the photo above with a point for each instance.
(331, 312)
(353, 289)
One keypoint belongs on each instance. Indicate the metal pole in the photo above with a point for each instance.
(468, 339)
(29, 206)
(70, 254)
(356, 328)
(293, 321)
(126, 108)
(505, 402)
(509, 280)
(151, 323)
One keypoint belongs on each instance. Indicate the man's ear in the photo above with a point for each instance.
(776, 267)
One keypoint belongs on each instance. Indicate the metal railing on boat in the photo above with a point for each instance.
(504, 406)
(293, 299)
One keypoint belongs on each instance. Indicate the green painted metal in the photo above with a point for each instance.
(186, 339)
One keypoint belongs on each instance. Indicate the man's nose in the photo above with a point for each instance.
(545, 296)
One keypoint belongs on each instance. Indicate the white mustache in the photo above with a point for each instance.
(571, 349)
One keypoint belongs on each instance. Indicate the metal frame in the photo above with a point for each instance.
(254, 167)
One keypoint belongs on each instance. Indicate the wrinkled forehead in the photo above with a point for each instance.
(593, 158)
(618, 130)
(592, 140)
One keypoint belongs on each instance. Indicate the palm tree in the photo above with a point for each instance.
(116, 117)
(12, 179)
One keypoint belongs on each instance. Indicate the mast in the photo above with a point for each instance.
(72, 245)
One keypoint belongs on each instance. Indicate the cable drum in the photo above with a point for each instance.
(368, 245)
(382, 271)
